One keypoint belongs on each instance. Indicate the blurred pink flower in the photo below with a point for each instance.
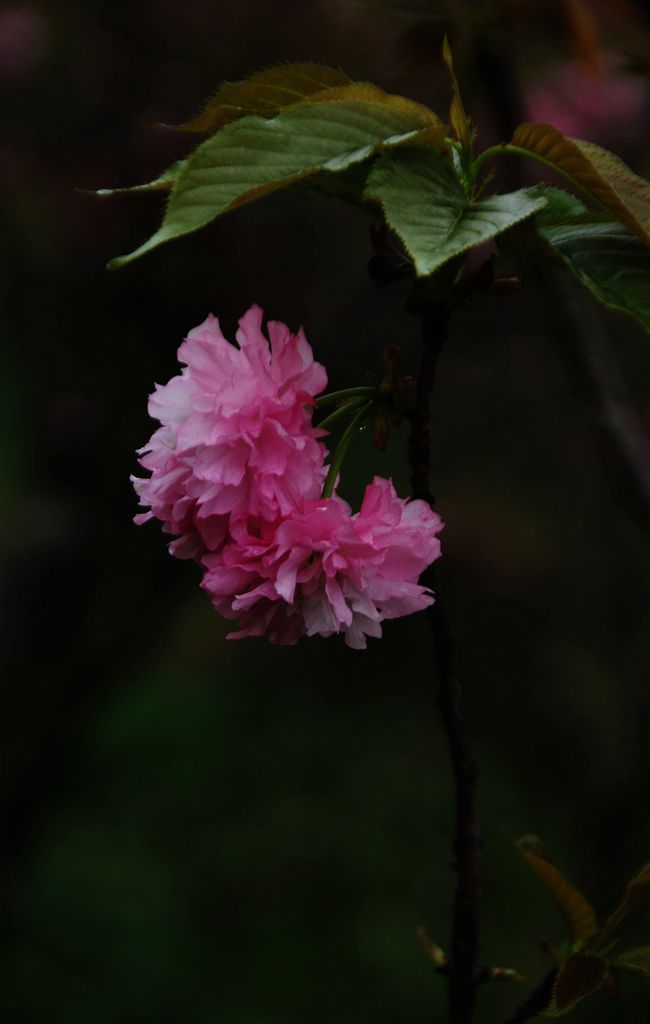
(23, 39)
(322, 570)
(236, 435)
(587, 105)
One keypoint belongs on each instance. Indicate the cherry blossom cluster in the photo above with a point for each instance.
(236, 476)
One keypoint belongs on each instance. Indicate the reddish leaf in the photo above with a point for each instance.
(574, 907)
(597, 171)
(581, 975)
(460, 122)
(266, 93)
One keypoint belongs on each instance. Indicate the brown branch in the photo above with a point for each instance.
(434, 333)
(463, 966)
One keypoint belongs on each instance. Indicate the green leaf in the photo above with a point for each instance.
(561, 208)
(347, 185)
(254, 156)
(601, 174)
(574, 907)
(638, 957)
(635, 961)
(266, 93)
(636, 890)
(160, 184)
(581, 975)
(425, 204)
(608, 260)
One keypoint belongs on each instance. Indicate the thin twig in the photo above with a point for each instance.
(463, 968)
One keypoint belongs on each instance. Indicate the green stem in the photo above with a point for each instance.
(344, 444)
(342, 412)
(340, 396)
(509, 148)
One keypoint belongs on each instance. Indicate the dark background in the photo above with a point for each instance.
(197, 830)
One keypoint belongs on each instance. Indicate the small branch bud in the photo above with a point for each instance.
(501, 974)
(437, 956)
(504, 286)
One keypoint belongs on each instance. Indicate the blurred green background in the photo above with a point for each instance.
(197, 830)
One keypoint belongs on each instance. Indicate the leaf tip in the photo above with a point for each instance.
(446, 51)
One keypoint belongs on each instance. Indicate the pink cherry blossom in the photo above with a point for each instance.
(236, 474)
(236, 436)
(322, 570)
